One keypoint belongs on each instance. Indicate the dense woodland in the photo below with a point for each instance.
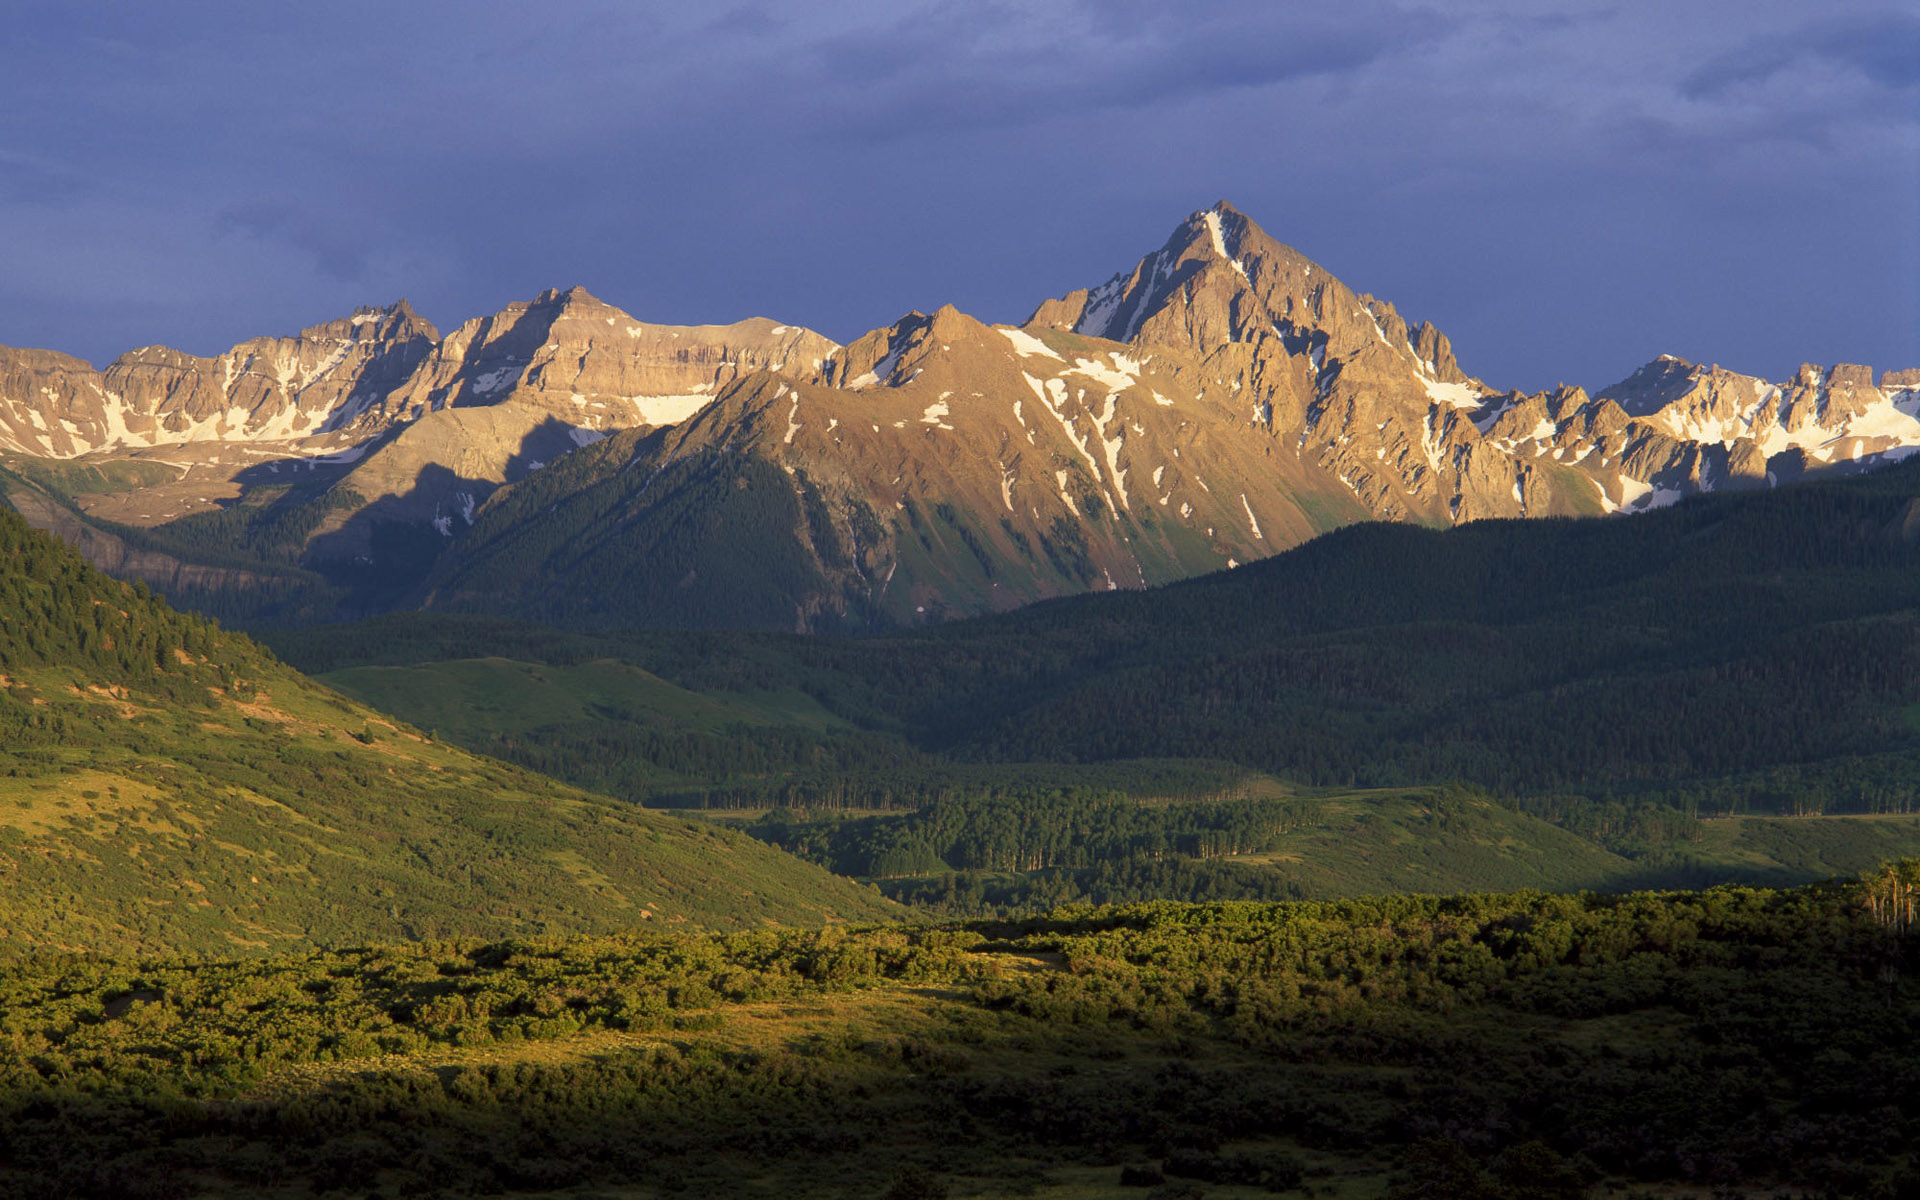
(58, 612)
(1750, 1043)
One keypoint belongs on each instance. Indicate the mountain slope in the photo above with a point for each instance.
(585, 361)
(262, 390)
(166, 784)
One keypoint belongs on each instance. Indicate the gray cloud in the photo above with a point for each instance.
(339, 254)
(1880, 48)
(962, 66)
(33, 179)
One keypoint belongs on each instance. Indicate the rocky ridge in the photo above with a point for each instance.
(589, 364)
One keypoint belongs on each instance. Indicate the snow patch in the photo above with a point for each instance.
(881, 370)
(1101, 303)
(1485, 421)
(666, 410)
(1453, 395)
(1220, 242)
(1162, 264)
(1054, 397)
(1124, 374)
(1026, 344)
(496, 380)
(1632, 492)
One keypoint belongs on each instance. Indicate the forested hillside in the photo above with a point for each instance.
(1754, 651)
(165, 783)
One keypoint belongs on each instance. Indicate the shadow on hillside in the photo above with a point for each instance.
(387, 545)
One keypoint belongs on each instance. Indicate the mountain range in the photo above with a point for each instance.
(1222, 400)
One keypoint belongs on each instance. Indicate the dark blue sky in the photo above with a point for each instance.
(1567, 189)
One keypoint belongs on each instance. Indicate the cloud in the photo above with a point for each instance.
(956, 68)
(1880, 49)
(338, 254)
(36, 179)
(750, 21)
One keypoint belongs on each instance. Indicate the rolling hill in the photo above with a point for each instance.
(166, 784)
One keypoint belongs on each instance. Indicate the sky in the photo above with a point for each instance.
(1565, 189)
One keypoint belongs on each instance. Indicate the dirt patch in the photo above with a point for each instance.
(115, 697)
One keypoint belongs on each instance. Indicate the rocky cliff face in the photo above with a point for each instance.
(1373, 406)
(935, 468)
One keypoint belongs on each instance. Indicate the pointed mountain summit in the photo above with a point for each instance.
(1221, 279)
